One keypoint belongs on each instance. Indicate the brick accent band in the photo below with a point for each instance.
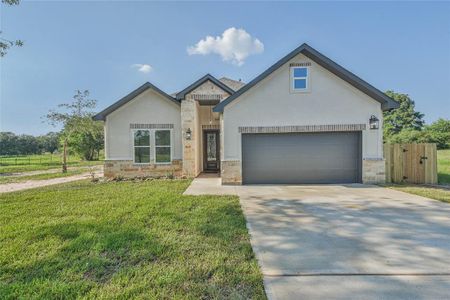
(302, 128)
(201, 97)
(304, 64)
(151, 126)
(205, 127)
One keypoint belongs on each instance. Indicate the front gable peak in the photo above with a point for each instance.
(386, 102)
(207, 78)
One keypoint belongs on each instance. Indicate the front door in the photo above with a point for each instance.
(211, 156)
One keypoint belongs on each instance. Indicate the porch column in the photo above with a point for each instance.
(188, 121)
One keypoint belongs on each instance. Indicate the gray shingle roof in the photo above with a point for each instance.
(233, 84)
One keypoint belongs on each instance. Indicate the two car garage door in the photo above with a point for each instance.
(325, 157)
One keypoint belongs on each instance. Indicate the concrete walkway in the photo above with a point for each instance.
(209, 184)
(30, 184)
(345, 241)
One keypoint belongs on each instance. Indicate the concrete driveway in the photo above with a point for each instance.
(345, 241)
(348, 242)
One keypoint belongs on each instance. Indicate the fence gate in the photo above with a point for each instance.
(411, 163)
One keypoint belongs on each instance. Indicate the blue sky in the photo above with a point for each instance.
(404, 46)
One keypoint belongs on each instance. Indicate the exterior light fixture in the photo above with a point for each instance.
(374, 123)
(188, 134)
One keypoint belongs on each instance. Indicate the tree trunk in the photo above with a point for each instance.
(64, 166)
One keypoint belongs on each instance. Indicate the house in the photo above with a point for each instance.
(303, 120)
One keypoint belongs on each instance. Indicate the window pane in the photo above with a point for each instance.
(299, 83)
(142, 154)
(162, 138)
(162, 154)
(142, 138)
(300, 72)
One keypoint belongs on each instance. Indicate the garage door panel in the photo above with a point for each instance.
(332, 157)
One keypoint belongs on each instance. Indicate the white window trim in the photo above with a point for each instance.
(149, 147)
(170, 146)
(307, 78)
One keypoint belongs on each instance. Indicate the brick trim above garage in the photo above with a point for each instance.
(302, 128)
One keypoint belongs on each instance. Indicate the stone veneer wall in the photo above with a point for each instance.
(373, 171)
(128, 169)
(231, 172)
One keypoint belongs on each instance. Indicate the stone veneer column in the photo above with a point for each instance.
(231, 172)
(373, 171)
(188, 113)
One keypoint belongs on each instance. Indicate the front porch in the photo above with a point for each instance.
(201, 128)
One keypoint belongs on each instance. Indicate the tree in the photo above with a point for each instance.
(439, 132)
(87, 141)
(8, 143)
(79, 130)
(404, 117)
(5, 44)
(49, 142)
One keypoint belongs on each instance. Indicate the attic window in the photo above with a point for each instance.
(300, 78)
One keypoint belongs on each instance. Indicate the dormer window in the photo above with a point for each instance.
(300, 78)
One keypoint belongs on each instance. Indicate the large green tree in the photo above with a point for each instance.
(403, 118)
(80, 132)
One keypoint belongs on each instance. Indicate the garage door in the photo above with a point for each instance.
(325, 157)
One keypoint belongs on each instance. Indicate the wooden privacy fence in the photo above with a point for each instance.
(411, 163)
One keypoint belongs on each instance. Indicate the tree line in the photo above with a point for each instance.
(24, 144)
(406, 125)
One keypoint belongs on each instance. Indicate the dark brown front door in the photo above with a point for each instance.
(211, 146)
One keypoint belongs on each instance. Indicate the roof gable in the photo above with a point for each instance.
(102, 115)
(386, 102)
(181, 95)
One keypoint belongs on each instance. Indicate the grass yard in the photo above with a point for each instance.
(444, 166)
(125, 240)
(440, 194)
(13, 164)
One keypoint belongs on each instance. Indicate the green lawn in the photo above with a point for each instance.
(125, 240)
(444, 166)
(10, 164)
(429, 192)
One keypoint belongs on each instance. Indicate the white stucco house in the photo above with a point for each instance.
(303, 120)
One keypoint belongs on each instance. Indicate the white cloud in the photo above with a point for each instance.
(144, 68)
(234, 46)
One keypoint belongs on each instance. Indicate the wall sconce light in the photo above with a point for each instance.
(374, 123)
(188, 134)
